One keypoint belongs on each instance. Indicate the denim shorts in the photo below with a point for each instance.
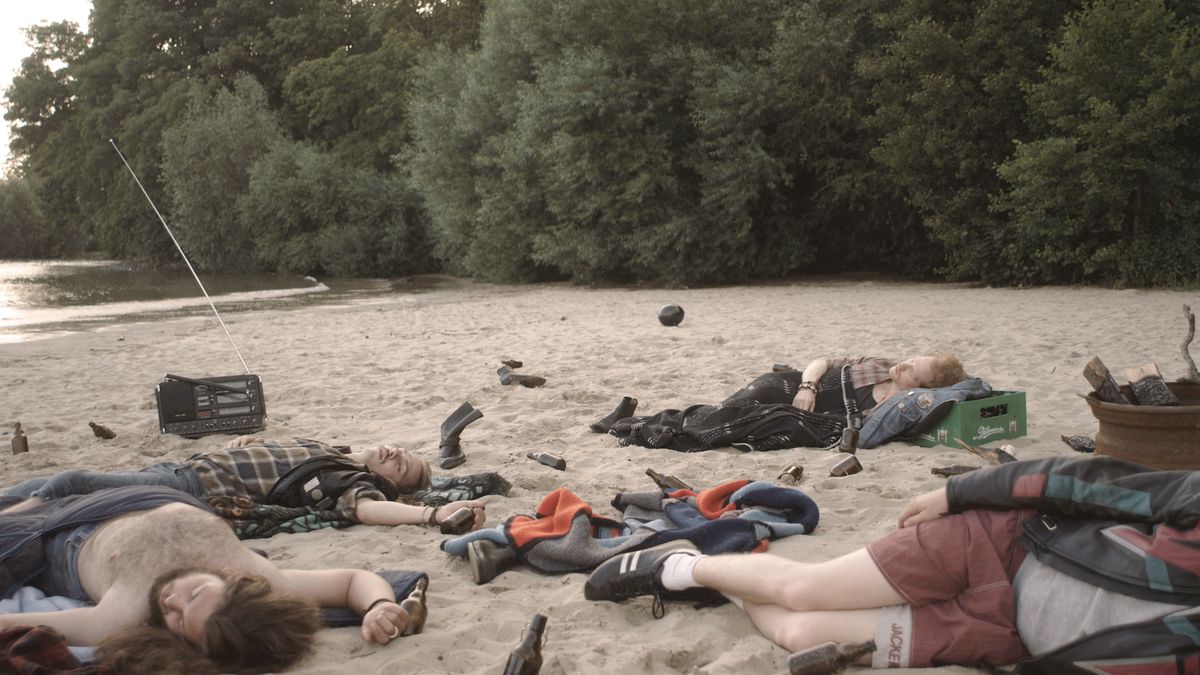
(62, 551)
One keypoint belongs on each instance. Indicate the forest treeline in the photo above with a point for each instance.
(656, 141)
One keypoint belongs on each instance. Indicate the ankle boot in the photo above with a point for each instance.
(489, 559)
(450, 454)
(624, 409)
(507, 377)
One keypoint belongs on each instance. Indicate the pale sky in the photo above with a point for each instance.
(15, 15)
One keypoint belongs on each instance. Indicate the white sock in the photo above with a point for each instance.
(677, 571)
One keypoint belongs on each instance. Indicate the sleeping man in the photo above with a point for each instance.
(172, 585)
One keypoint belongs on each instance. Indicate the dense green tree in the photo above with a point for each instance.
(24, 230)
(1111, 191)
(463, 105)
(856, 214)
(207, 159)
(312, 214)
(946, 84)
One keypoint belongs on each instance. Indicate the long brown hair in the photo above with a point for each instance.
(256, 630)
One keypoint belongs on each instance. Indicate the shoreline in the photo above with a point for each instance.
(390, 369)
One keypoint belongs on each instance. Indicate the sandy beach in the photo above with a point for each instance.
(389, 370)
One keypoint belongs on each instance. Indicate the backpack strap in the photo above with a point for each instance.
(320, 482)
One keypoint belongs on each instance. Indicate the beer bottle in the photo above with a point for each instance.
(101, 431)
(526, 658)
(459, 522)
(828, 657)
(19, 442)
(414, 604)
(667, 481)
(552, 461)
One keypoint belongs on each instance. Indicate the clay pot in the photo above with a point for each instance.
(1164, 437)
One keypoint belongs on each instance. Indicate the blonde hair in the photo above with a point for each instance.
(946, 369)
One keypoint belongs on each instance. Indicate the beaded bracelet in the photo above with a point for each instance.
(809, 386)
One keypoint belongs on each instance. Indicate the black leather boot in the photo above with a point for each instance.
(624, 409)
(489, 559)
(450, 454)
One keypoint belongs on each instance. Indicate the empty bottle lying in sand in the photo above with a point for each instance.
(667, 481)
(552, 461)
(526, 657)
(102, 431)
(848, 465)
(828, 657)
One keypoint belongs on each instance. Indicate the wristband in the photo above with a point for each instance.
(372, 605)
(809, 386)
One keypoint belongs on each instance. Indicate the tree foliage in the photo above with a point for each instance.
(207, 158)
(1111, 188)
(655, 141)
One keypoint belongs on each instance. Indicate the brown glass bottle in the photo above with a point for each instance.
(526, 657)
(19, 441)
(414, 604)
(828, 657)
(552, 461)
(101, 431)
(667, 481)
(459, 522)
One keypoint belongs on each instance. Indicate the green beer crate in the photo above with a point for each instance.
(978, 422)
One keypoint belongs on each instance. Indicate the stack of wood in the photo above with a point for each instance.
(1146, 385)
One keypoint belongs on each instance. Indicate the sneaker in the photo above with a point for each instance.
(637, 573)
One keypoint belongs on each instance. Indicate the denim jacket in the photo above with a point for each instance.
(901, 412)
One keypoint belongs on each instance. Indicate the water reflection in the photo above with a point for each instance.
(38, 297)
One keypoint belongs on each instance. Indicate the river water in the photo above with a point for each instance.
(40, 298)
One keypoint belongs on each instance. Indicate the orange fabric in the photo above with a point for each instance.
(555, 514)
(715, 500)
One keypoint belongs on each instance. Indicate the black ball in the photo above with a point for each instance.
(670, 315)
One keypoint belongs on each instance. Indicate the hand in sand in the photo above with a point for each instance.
(477, 506)
(242, 441)
(929, 506)
(385, 622)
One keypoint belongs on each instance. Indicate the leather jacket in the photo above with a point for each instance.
(1121, 526)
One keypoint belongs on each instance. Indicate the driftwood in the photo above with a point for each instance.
(1192, 376)
(993, 455)
(1102, 382)
(1079, 442)
(1148, 386)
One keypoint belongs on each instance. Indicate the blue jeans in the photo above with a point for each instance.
(62, 574)
(81, 482)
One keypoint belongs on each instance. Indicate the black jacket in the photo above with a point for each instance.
(1124, 527)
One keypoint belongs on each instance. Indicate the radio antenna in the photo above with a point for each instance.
(181, 253)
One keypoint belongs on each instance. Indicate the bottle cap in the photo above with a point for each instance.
(537, 623)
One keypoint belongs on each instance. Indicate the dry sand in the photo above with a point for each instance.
(391, 369)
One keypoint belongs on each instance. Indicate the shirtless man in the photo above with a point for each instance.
(158, 564)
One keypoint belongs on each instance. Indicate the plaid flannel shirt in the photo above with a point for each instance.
(251, 471)
(865, 371)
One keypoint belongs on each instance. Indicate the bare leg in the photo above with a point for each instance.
(795, 631)
(23, 506)
(852, 581)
